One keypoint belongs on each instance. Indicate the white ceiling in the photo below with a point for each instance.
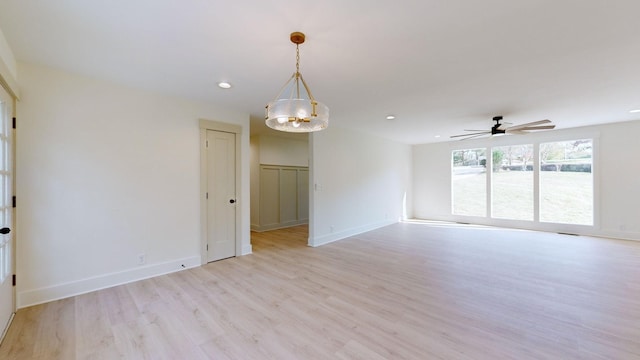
(440, 66)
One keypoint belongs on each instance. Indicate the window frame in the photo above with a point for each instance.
(535, 139)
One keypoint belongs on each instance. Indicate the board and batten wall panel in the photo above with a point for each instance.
(286, 153)
(270, 199)
(288, 196)
(284, 199)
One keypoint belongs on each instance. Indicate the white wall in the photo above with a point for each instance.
(282, 151)
(359, 183)
(105, 173)
(616, 172)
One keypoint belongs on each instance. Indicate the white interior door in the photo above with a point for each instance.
(7, 296)
(221, 192)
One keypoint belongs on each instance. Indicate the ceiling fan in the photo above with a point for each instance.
(501, 129)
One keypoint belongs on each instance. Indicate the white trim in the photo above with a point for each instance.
(596, 173)
(7, 81)
(247, 250)
(8, 68)
(329, 238)
(6, 329)
(6, 96)
(536, 182)
(73, 288)
(220, 126)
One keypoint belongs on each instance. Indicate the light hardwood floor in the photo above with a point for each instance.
(406, 291)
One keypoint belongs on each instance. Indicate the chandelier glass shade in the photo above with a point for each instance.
(295, 109)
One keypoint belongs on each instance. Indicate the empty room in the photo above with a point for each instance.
(319, 180)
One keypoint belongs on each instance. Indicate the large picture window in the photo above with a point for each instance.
(512, 182)
(565, 182)
(469, 182)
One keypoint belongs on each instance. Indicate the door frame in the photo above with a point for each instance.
(4, 328)
(206, 125)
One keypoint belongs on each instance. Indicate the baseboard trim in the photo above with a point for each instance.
(617, 234)
(61, 291)
(258, 228)
(329, 238)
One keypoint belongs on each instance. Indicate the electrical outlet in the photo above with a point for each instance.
(142, 259)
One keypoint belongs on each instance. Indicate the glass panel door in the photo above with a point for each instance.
(7, 306)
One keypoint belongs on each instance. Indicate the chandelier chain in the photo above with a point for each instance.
(297, 58)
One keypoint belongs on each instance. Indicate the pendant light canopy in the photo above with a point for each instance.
(295, 109)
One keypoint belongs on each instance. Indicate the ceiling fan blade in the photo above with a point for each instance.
(474, 130)
(504, 125)
(544, 127)
(519, 127)
(475, 136)
(501, 128)
(471, 135)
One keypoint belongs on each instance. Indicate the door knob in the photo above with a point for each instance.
(232, 201)
(5, 230)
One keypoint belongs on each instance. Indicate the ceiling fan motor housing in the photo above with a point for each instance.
(495, 129)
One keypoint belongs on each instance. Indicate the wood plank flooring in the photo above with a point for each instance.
(406, 291)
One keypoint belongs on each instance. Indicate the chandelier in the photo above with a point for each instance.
(295, 109)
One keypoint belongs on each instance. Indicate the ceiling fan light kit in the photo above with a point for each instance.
(499, 129)
(295, 109)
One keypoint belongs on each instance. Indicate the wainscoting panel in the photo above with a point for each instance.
(284, 197)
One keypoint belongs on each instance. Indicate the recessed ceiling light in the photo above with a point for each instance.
(437, 136)
(390, 117)
(635, 111)
(224, 85)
